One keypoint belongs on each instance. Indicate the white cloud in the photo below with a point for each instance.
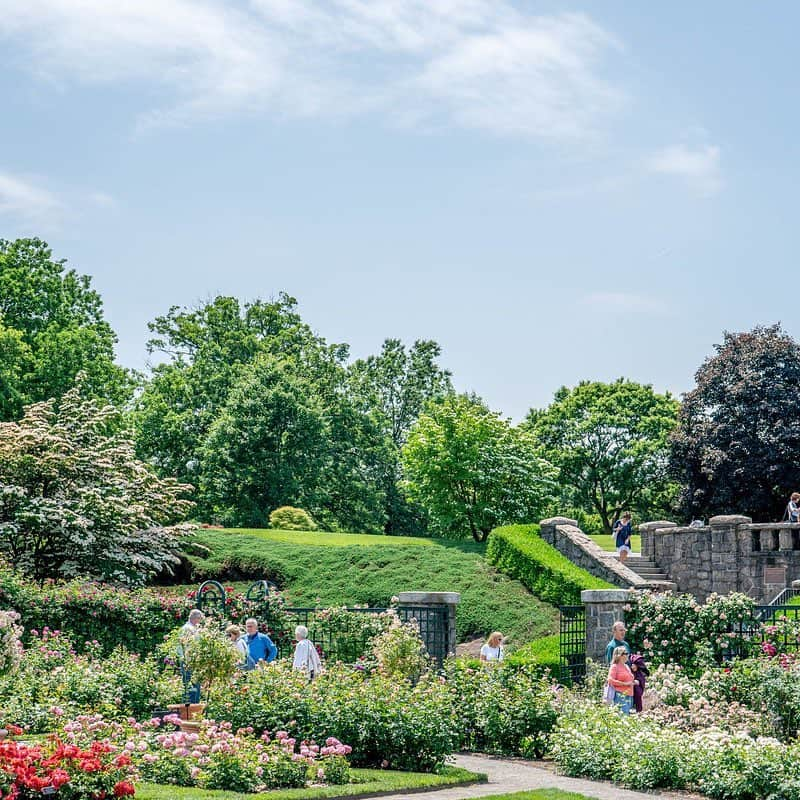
(699, 167)
(482, 64)
(615, 302)
(23, 199)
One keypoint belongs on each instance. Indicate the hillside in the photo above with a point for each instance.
(346, 569)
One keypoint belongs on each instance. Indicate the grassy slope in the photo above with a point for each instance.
(370, 782)
(338, 569)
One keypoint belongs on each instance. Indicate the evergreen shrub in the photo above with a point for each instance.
(288, 518)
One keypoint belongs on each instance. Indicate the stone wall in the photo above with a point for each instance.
(603, 607)
(730, 554)
(565, 535)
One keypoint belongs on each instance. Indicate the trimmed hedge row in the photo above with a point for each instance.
(518, 551)
(544, 652)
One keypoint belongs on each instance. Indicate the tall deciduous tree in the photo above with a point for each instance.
(737, 443)
(51, 328)
(391, 389)
(472, 470)
(609, 442)
(74, 500)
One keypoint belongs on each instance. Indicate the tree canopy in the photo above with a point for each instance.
(75, 501)
(738, 438)
(609, 442)
(51, 328)
(472, 470)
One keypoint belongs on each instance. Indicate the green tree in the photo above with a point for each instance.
(736, 446)
(75, 501)
(52, 328)
(610, 444)
(472, 470)
(391, 389)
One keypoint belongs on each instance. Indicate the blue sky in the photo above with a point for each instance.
(551, 191)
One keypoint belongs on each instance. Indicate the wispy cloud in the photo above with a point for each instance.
(27, 200)
(481, 64)
(613, 302)
(699, 166)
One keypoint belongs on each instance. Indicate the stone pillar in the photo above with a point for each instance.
(603, 608)
(435, 613)
(646, 530)
(547, 527)
(726, 552)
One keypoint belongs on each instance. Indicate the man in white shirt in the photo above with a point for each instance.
(189, 630)
(306, 656)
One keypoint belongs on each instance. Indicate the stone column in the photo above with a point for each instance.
(726, 552)
(435, 613)
(603, 607)
(647, 532)
(547, 527)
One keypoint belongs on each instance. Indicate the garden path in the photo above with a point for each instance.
(506, 775)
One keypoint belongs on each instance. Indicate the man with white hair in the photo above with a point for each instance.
(306, 656)
(259, 645)
(618, 632)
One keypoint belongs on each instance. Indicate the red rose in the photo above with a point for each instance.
(124, 789)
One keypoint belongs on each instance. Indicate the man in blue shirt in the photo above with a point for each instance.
(259, 645)
(618, 640)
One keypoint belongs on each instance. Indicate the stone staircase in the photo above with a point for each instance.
(647, 569)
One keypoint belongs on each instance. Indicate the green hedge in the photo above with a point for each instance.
(544, 652)
(519, 551)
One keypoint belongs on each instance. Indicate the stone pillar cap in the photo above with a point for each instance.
(730, 519)
(795, 584)
(559, 521)
(429, 598)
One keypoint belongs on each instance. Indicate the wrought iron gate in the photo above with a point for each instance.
(572, 643)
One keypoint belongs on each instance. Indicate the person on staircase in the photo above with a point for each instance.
(622, 536)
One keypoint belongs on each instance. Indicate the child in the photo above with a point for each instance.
(306, 656)
(640, 673)
(620, 678)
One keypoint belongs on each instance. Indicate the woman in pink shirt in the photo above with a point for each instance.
(620, 678)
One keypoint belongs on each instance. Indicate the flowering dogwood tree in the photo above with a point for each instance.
(75, 500)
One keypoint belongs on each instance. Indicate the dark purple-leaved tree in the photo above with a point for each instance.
(737, 445)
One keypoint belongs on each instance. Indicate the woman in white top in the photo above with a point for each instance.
(306, 656)
(493, 649)
(240, 645)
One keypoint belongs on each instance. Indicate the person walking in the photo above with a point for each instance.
(493, 651)
(618, 631)
(622, 536)
(259, 645)
(306, 656)
(189, 631)
(621, 679)
(792, 513)
(640, 673)
(239, 643)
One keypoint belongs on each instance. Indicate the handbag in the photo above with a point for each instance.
(608, 694)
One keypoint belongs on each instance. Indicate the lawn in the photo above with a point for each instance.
(329, 569)
(369, 782)
(606, 541)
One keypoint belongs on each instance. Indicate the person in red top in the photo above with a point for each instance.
(620, 678)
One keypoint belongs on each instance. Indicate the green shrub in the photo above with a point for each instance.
(518, 551)
(288, 518)
(543, 653)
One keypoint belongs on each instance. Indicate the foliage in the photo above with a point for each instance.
(609, 442)
(736, 445)
(388, 723)
(288, 518)
(348, 634)
(52, 681)
(391, 389)
(503, 709)
(597, 742)
(216, 756)
(74, 499)
(10, 645)
(209, 656)
(366, 574)
(676, 629)
(471, 470)
(51, 329)
(520, 552)
(399, 652)
(543, 652)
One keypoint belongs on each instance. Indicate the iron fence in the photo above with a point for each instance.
(572, 643)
